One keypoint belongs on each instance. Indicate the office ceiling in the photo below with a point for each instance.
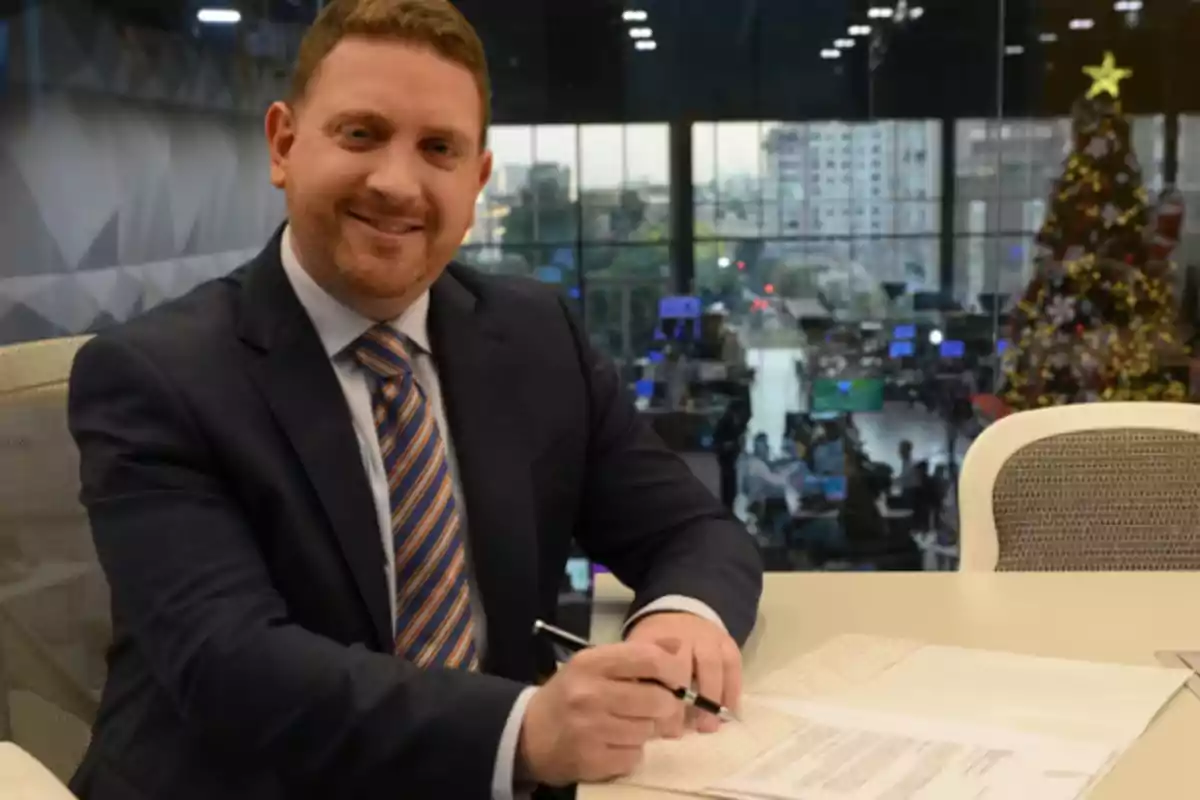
(762, 58)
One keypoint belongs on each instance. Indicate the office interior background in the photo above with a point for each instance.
(825, 210)
(853, 188)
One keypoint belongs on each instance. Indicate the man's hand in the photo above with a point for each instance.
(703, 657)
(591, 720)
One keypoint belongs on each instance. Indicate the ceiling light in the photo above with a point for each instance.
(843, 43)
(916, 12)
(219, 16)
(634, 16)
(880, 12)
(646, 44)
(1083, 24)
(640, 33)
(1013, 50)
(1128, 5)
(1048, 38)
(859, 30)
(830, 52)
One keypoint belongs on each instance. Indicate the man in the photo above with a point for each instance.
(333, 491)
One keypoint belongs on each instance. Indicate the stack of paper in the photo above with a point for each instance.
(868, 718)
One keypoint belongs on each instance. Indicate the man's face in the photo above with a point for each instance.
(382, 164)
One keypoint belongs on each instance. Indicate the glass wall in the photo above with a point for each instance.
(582, 206)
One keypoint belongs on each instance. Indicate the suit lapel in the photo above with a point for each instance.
(476, 370)
(293, 372)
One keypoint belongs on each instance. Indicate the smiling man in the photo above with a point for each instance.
(333, 491)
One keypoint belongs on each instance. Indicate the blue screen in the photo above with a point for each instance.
(655, 356)
(644, 388)
(905, 332)
(901, 349)
(835, 488)
(829, 458)
(679, 308)
(953, 348)
(1002, 345)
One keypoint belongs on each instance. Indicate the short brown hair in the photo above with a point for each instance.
(434, 23)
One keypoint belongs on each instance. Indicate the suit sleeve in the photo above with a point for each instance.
(649, 519)
(191, 589)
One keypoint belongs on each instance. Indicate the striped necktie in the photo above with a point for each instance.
(433, 626)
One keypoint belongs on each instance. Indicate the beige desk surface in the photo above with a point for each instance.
(23, 778)
(1118, 617)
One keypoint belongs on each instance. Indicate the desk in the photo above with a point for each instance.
(23, 778)
(1118, 617)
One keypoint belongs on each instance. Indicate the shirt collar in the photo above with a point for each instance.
(338, 326)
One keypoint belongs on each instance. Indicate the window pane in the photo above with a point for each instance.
(623, 284)
(503, 214)
(553, 184)
(625, 188)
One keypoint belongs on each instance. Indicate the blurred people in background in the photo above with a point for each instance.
(729, 444)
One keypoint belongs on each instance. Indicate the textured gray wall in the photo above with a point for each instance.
(131, 169)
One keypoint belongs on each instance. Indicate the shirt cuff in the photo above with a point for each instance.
(506, 754)
(675, 603)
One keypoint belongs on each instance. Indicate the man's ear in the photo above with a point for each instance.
(485, 168)
(280, 125)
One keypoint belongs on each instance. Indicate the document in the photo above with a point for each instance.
(872, 718)
(700, 761)
(1110, 703)
(837, 754)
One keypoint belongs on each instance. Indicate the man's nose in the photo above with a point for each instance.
(396, 176)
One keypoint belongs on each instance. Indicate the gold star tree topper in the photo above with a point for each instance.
(1107, 77)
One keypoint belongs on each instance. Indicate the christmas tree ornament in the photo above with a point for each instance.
(1106, 78)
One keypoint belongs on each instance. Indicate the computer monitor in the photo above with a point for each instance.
(679, 307)
(854, 394)
(901, 349)
(953, 348)
(834, 488)
(1002, 346)
(829, 458)
(903, 332)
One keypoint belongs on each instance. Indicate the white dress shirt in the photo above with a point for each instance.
(338, 327)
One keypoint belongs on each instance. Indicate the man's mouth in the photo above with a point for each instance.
(392, 227)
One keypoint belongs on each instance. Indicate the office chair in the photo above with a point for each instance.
(1102, 486)
(54, 626)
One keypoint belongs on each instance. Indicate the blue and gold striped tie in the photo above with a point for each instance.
(433, 626)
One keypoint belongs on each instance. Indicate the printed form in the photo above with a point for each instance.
(869, 718)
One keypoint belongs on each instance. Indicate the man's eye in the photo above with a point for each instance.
(439, 147)
(356, 134)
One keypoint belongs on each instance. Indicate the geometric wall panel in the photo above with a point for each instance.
(132, 168)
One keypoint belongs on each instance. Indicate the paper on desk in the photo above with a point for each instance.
(1110, 703)
(699, 760)
(839, 754)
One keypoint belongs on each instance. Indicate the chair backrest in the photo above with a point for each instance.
(1100, 486)
(54, 600)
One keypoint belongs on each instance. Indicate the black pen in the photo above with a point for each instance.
(688, 696)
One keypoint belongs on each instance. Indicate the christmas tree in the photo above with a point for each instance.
(1098, 321)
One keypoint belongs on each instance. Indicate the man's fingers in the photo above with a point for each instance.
(680, 675)
(627, 661)
(710, 681)
(644, 701)
(621, 732)
(731, 657)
